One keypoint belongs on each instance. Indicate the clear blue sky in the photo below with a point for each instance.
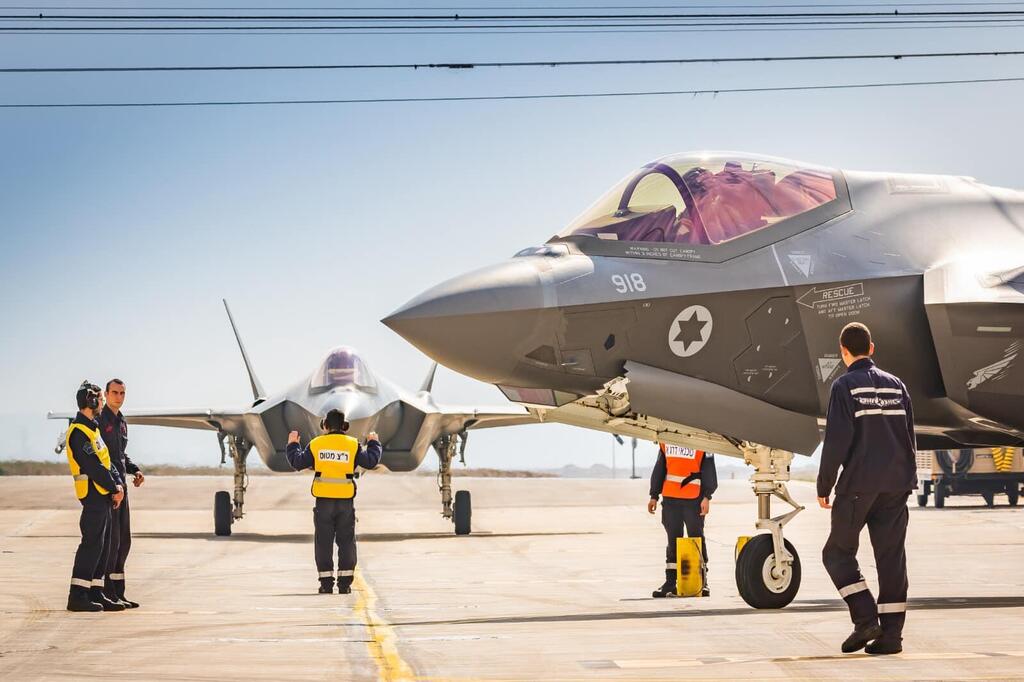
(121, 229)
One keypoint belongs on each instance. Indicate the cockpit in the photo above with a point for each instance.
(710, 200)
(342, 367)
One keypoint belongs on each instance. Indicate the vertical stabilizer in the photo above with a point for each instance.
(428, 382)
(257, 388)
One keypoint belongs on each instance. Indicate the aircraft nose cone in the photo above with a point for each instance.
(478, 323)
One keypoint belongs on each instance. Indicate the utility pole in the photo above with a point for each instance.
(615, 439)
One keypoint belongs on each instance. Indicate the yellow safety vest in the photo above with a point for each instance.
(334, 461)
(100, 448)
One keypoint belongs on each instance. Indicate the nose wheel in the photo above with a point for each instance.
(460, 508)
(767, 565)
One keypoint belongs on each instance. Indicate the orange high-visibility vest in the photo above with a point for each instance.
(682, 477)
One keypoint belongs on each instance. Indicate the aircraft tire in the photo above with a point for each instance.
(1013, 495)
(463, 512)
(753, 571)
(922, 500)
(222, 516)
(940, 496)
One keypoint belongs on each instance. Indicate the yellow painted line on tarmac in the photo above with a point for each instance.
(383, 641)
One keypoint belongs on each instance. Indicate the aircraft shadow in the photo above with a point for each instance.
(799, 606)
(363, 537)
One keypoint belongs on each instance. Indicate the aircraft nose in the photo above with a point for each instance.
(476, 323)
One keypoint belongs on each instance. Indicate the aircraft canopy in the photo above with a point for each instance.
(342, 367)
(705, 199)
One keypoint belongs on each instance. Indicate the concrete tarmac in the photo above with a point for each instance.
(553, 584)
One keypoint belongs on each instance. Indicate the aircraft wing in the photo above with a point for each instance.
(455, 418)
(210, 420)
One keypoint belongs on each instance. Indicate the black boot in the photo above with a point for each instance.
(96, 594)
(344, 589)
(666, 590)
(79, 600)
(861, 635)
(885, 645)
(326, 586)
(118, 589)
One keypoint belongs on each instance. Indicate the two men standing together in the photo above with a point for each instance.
(96, 441)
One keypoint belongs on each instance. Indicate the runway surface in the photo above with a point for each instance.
(553, 584)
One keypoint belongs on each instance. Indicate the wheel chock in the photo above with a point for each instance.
(689, 567)
(740, 542)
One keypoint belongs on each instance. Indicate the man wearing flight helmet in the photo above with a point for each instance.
(99, 488)
(334, 457)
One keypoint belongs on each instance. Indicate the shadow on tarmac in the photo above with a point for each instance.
(304, 537)
(799, 606)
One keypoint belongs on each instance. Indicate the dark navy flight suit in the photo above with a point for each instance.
(334, 520)
(870, 434)
(681, 517)
(91, 556)
(114, 430)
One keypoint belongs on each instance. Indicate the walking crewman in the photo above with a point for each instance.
(115, 434)
(98, 487)
(870, 434)
(686, 479)
(334, 457)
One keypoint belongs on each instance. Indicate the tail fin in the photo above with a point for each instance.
(257, 388)
(428, 383)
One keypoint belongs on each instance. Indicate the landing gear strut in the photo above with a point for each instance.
(459, 509)
(767, 565)
(227, 510)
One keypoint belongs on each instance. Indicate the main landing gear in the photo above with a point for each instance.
(767, 565)
(460, 508)
(227, 510)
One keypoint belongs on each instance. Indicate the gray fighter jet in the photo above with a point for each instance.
(699, 302)
(407, 423)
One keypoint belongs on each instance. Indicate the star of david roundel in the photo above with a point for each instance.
(690, 331)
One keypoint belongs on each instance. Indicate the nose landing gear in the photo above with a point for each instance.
(459, 509)
(767, 565)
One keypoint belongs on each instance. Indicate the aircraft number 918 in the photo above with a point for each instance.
(629, 283)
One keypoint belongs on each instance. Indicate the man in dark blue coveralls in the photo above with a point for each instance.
(870, 434)
(334, 457)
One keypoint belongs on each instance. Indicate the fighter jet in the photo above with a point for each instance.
(699, 302)
(408, 424)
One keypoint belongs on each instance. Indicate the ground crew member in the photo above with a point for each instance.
(334, 457)
(686, 479)
(98, 487)
(115, 435)
(870, 433)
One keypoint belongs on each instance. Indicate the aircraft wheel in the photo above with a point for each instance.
(756, 579)
(940, 496)
(463, 512)
(222, 513)
(922, 500)
(1013, 495)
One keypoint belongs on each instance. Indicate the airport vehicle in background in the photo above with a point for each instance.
(408, 424)
(987, 472)
(700, 300)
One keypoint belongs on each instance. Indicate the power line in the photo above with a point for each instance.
(634, 16)
(511, 64)
(496, 28)
(494, 98)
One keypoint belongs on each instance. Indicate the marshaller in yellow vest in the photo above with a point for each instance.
(99, 488)
(334, 458)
